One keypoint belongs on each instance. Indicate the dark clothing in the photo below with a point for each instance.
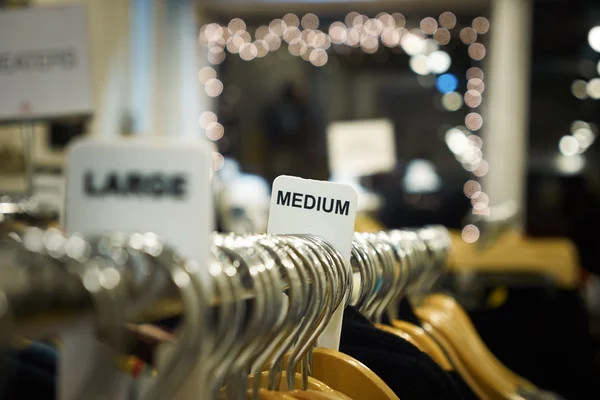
(409, 372)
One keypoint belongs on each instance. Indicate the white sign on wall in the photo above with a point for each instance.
(360, 148)
(44, 63)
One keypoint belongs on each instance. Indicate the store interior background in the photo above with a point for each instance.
(138, 90)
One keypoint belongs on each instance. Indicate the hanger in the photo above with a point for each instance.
(391, 269)
(462, 326)
(448, 322)
(336, 369)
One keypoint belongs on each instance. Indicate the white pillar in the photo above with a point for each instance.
(181, 98)
(143, 22)
(507, 102)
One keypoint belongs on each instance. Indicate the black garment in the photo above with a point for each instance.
(543, 336)
(26, 381)
(463, 386)
(409, 372)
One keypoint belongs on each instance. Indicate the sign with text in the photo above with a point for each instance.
(361, 148)
(325, 209)
(161, 186)
(44, 63)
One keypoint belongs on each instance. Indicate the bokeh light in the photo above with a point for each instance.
(446, 83)
(419, 64)
(442, 36)
(448, 20)
(593, 88)
(214, 131)
(400, 20)
(428, 25)
(594, 38)
(474, 72)
(438, 62)
(568, 146)
(481, 169)
(318, 57)
(481, 25)
(452, 101)
(412, 44)
(236, 25)
(477, 51)
(579, 89)
(473, 98)
(474, 121)
(310, 21)
(277, 27)
(476, 84)
(206, 74)
(261, 32)
(216, 55)
(219, 160)
(206, 118)
(291, 20)
(468, 35)
(470, 233)
(471, 189)
(213, 87)
(248, 51)
(262, 48)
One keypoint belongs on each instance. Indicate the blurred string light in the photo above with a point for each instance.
(568, 146)
(447, 20)
(304, 39)
(470, 233)
(579, 89)
(446, 83)
(593, 88)
(581, 138)
(468, 35)
(219, 160)
(442, 36)
(594, 38)
(452, 101)
(439, 62)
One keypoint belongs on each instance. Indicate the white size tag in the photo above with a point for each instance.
(360, 148)
(325, 209)
(43, 63)
(143, 185)
(139, 185)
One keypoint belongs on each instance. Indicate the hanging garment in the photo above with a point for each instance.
(26, 380)
(411, 373)
(543, 336)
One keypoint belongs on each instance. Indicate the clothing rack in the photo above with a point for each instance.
(50, 281)
(49, 288)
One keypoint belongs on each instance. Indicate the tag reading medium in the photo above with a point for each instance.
(325, 209)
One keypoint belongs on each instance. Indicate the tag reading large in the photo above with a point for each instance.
(160, 186)
(325, 209)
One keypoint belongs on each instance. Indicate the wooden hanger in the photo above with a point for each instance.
(475, 386)
(463, 321)
(265, 394)
(420, 339)
(313, 383)
(349, 376)
(478, 363)
(312, 395)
